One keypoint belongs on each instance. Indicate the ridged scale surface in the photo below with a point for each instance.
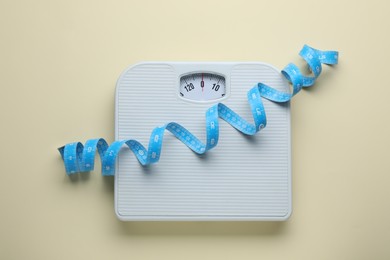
(243, 178)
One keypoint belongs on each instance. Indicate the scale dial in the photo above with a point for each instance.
(202, 86)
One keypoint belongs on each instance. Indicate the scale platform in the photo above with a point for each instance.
(242, 178)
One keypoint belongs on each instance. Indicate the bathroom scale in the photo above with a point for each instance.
(242, 178)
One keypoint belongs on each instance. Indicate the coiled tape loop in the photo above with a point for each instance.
(79, 158)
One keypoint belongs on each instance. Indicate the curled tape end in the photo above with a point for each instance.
(61, 151)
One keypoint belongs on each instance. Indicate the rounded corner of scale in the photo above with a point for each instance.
(288, 215)
(119, 215)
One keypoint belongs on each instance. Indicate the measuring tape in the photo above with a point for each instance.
(81, 158)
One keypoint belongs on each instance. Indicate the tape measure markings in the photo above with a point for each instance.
(80, 158)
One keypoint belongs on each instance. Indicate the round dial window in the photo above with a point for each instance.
(202, 86)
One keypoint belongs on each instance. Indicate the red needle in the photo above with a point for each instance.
(202, 83)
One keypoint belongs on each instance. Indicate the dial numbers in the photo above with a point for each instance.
(202, 86)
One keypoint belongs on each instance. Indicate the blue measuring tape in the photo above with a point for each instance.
(81, 158)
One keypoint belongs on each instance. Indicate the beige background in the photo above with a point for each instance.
(58, 66)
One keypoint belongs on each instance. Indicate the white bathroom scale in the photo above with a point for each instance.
(242, 178)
